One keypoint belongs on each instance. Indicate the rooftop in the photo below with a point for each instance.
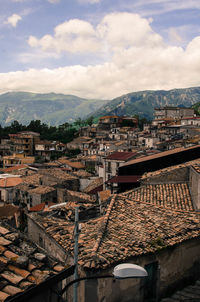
(22, 263)
(42, 190)
(175, 196)
(129, 228)
(57, 173)
(10, 182)
(159, 155)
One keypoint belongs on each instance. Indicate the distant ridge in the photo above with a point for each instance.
(51, 108)
(56, 109)
(143, 102)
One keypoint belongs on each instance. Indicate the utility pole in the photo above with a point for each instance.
(76, 233)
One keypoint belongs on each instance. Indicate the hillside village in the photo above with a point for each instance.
(138, 198)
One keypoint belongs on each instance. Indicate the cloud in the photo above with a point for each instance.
(71, 36)
(13, 20)
(136, 59)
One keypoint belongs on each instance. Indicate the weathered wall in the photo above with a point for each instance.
(40, 237)
(176, 266)
(84, 182)
(181, 174)
(195, 188)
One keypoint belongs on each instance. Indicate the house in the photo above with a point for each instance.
(8, 183)
(24, 142)
(17, 159)
(193, 121)
(152, 235)
(47, 149)
(71, 165)
(160, 160)
(42, 194)
(112, 162)
(173, 112)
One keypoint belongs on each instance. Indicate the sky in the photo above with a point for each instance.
(99, 49)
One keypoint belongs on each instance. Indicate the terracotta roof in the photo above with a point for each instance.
(80, 196)
(159, 155)
(82, 174)
(41, 190)
(196, 167)
(32, 179)
(94, 184)
(10, 182)
(57, 173)
(124, 179)
(22, 263)
(121, 156)
(172, 195)
(77, 165)
(104, 195)
(15, 168)
(108, 116)
(41, 207)
(129, 228)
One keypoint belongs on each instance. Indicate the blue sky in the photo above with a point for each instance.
(99, 48)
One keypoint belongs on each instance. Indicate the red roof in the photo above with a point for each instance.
(124, 179)
(41, 206)
(121, 155)
(14, 168)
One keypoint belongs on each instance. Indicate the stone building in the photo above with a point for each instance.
(160, 237)
(173, 112)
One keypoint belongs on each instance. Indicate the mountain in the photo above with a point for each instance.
(51, 108)
(144, 102)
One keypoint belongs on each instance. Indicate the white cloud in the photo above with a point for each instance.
(137, 59)
(13, 20)
(71, 36)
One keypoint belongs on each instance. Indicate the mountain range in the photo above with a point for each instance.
(56, 109)
(142, 103)
(51, 108)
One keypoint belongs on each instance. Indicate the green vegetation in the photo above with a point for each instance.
(63, 133)
(143, 103)
(51, 108)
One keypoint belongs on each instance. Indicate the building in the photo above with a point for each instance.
(112, 162)
(24, 142)
(158, 161)
(157, 237)
(173, 112)
(17, 159)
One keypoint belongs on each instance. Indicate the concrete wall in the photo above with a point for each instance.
(195, 188)
(176, 267)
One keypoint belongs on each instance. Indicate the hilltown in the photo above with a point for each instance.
(137, 195)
